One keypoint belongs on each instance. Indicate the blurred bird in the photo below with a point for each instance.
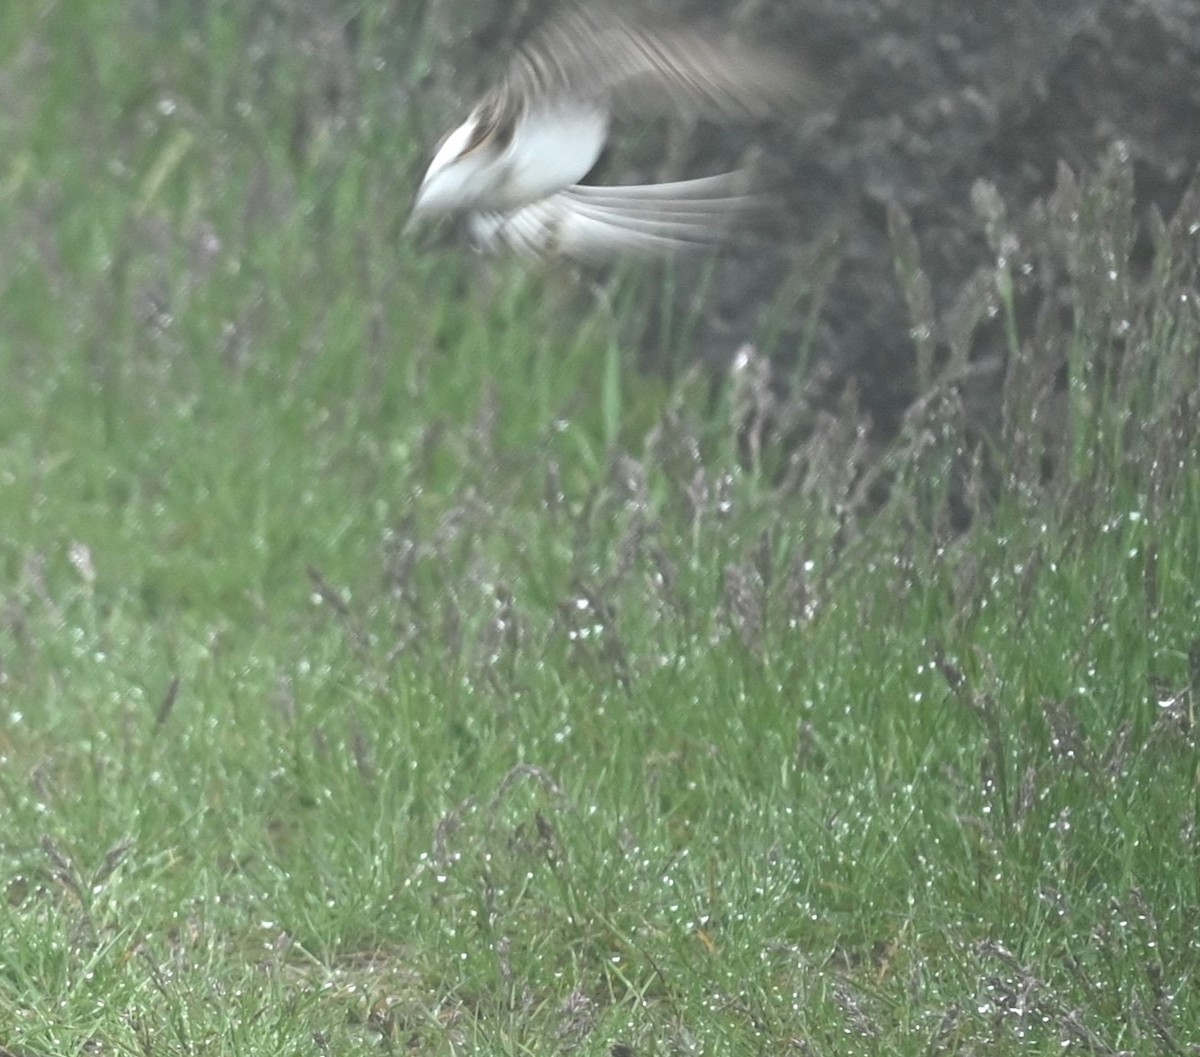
(515, 165)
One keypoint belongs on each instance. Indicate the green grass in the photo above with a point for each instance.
(387, 664)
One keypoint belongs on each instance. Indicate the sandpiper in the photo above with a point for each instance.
(515, 165)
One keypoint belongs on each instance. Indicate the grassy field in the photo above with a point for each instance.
(388, 666)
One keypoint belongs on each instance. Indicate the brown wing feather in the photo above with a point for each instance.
(611, 52)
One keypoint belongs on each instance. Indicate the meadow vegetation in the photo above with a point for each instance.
(389, 665)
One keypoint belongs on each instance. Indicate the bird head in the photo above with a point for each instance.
(464, 167)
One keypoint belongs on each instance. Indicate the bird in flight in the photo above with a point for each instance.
(515, 164)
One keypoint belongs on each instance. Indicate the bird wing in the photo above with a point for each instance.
(599, 223)
(611, 52)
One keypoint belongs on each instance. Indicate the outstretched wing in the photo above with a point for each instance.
(611, 52)
(599, 223)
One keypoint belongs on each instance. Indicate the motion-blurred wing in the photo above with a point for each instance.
(599, 223)
(610, 52)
